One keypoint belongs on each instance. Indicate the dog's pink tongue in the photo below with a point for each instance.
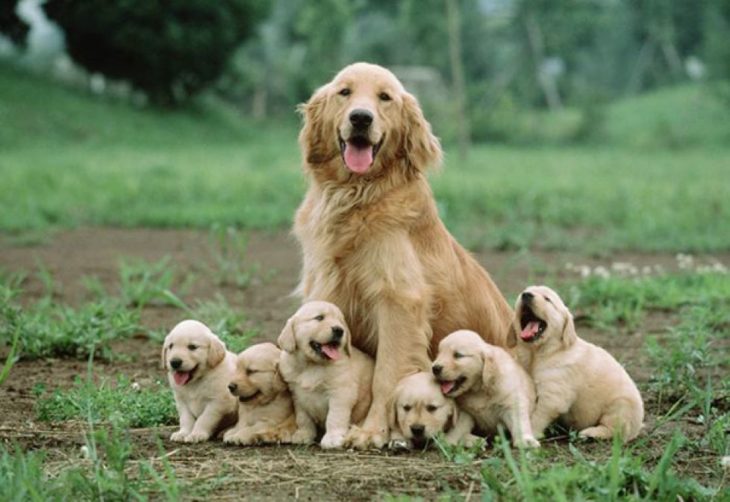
(358, 159)
(331, 351)
(530, 330)
(447, 386)
(181, 377)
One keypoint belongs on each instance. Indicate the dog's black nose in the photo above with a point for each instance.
(437, 369)
(337, 333)
(361, 119)
(232, 387)
(418, 430)
(175, 363)
(527, 296)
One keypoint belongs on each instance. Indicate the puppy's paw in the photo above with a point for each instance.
(527, 442)
(597, 432)
(237, 437)
(362, 439)
(197, 437)
(179, 436)
(332, 440)
(303, 436)
(470, 440)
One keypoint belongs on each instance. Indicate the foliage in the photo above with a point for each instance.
(10, 23)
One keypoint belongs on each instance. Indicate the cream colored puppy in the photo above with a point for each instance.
(330, 379)
(199, 371)
(418, 411)
(488, 384)
(576, 381)
(265, 409)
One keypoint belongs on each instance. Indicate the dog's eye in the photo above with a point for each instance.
(345, 92)
(320, 317)
(458, 355)
(548, 299)
(431, 408)
(170, 346)
(251, 372)
(406, 407)
(192, 347)
(384, 96)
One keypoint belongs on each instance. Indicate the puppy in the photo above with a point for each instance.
(576, 381)
(199, 371)
(330, 379)
(418, 411)
(265, 409)
(488, 384)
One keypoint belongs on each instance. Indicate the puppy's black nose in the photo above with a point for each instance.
(361, 119)
(437, 369)
(418, 430)
(337, 333)
(232, 387)
(175, 363)
(527, 296)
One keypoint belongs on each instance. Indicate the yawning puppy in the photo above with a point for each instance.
(329, 379)
(265, 409)
(418, 411)
(199, 370)
(575, 381)
(488, 384)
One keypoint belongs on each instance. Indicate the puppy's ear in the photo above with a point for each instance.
(511, 335)
(286, 340)
(420, 147)
(392, 411)
(163, 355)
(317, 137)
(453, 418)
(347, 347)
(489, 369)
(216, 352)
(279, 383)
(569, 336)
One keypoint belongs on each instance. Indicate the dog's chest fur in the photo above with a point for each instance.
(486, 411)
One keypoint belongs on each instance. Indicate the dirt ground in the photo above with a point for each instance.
(265, 472)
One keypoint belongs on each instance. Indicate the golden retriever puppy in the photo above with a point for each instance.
(372, 241)
(419, 411)
(488, 384)
(265, 409)
(575, 381)
(329, 379)
(199, 371)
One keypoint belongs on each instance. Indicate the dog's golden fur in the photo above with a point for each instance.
(576, 381)
(373, 243)
(330, 393)
(265, 409)
(488, 384)
(199, 370)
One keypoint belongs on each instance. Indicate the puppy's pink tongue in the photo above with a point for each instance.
(181, 377)
(447, 386)
(358, 158)
(530, 330)
(331, 351)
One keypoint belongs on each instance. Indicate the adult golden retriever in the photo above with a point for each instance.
(372, 241)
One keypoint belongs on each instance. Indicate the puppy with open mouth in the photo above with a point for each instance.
(199, 369)
(330, 380)
(265, 409)
(577, 382)
(488, 384)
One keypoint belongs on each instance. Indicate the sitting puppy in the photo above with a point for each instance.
(329, 379)
(265, 409)
(488, 384)
(575, 381)
(418, 411)
(199, 371)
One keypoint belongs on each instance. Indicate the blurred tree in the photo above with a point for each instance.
(10, 24)
(170, 49)
(717, 44)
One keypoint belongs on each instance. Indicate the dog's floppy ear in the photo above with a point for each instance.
(216, 352)
(489, 369)
(392, 411)
(569, 336)
(420, 147)
(279, 383)
(286, 340)
(453, 418)
(163, 355)
(317, 139)
(347, 347)
(511, 335)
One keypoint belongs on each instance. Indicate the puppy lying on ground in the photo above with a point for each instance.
(199, 370)
(265, 409)
(330, 379)
(575, 381)
(488, 384)
(418, 411)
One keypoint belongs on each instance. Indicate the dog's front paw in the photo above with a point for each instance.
(303, 436)
(527, 442)
(332, 440)
(179, 436)
(197, 437)
(237, 437)
(361, 438)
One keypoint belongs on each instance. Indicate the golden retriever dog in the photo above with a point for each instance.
(199, 371)
(330, 379)
(576, 381)
(265, 409)
(488, 384)
(371, 238)
(418, 411)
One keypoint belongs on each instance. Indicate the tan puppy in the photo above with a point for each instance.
(199, 371)
(265, 409)
(329, 379)
(488, 384)
(576, 381)
(418, 411)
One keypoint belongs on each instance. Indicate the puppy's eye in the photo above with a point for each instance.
(431, 408)
(345, 92)
(458, 355)
(251, 372)
(320, 317)
(548, 299)
(170, 346)
(384, 96)
(407, 407)
(192, 347)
